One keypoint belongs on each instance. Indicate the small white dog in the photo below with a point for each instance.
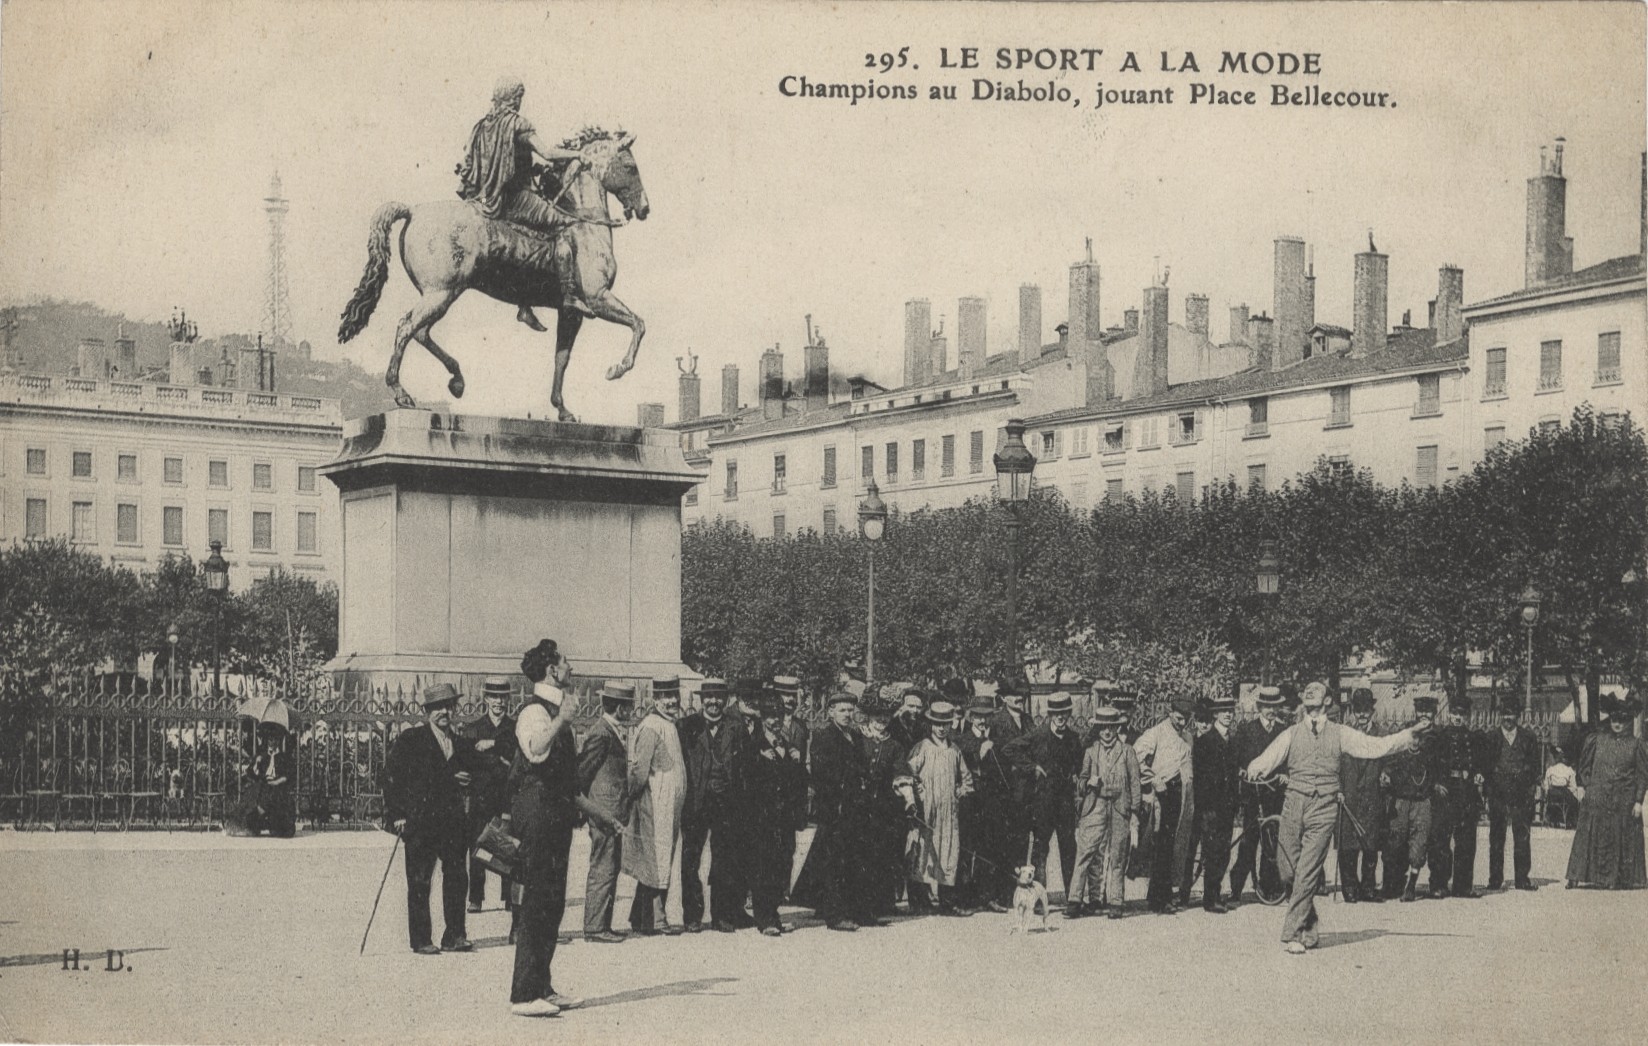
(1026, 897)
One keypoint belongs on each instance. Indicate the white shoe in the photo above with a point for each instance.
(535, 1008)
(1294, 948)
(565, 1002)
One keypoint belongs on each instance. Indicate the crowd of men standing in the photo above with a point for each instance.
(936, 800)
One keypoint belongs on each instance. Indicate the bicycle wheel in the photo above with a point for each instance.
(1272, 892)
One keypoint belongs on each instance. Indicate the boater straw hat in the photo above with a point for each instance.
(712, 687)
(666, 685)
(1109, 715)
(495, 686)
(1269, 697)
(942, 712)
(786, 685)
(1058, 703)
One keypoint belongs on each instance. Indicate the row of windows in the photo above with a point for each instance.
(83, 525)
(891, 460)
(1550, 365)
(171, 470)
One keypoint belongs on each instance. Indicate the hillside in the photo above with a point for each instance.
(47, 336)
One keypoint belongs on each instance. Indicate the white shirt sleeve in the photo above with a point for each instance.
(1274, 756)
(1358, 745)
(534, 729)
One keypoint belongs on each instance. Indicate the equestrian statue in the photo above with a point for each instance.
(525, 234)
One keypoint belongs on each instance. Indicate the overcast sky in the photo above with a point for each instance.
(137, 142)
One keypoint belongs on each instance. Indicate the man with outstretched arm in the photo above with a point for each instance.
(1311, 749)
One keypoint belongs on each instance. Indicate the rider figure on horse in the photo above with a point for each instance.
(496, 176)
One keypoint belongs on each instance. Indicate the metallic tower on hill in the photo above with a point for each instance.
(277, 300)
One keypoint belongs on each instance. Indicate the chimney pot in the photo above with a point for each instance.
(729, 389)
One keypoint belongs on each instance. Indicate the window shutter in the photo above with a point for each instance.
(1127, 433)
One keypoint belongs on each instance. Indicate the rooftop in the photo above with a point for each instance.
(1620, 268)
(1412, 349)
(207, 402)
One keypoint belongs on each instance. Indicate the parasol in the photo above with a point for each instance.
(262, 709)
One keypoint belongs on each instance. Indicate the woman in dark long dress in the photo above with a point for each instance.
(1613, 777)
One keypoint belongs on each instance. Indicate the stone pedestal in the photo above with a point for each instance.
(467, 539)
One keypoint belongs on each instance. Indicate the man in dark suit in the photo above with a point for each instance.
(777, 808)
(797, 736)
(1048, 759)
(712, 743)
(1009, 723)
(1361, 830)
(1514, 772)
(493, 735)
(1458, 807)
(603, 777)
(834, 880)
(427, 778)
(910, 724)
(1251, 739)
(1214, 776)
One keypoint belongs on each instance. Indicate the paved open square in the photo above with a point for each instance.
(255, 940)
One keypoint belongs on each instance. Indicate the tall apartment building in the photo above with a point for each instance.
(134, 471)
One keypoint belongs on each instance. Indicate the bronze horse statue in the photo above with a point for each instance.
(448, 248)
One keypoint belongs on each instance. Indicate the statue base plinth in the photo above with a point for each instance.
(466, 539)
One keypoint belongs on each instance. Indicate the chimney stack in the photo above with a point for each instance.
(938, 351)
(1450, 300)
(1261, 340)
(729, 389)
(1029, 324)
(1196, 314)
(772, 384)
(1549, 251)
(1289, 289)
(180, 364)
(1150, 358)
(918, 340)
(689, 402)
(815, 382)
(93, 358)
(1130, 322)
(970, 337)
(1238, 324)
(1310, 289)
(1370, 294)
(125, 355)
(650, 415)
(1084, 300)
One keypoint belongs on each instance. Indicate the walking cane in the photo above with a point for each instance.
(392, 851)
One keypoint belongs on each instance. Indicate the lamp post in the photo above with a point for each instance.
(171, 662)
(872, 523)
(1267, 582)
(1014, 466)
(217, 583)
(1530, 618)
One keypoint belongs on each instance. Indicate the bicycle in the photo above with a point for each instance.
(1270, 826)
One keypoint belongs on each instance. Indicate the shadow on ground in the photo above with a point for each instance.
(1335, 939)
(657, 991)
(88, 958)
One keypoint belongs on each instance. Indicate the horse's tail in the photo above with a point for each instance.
(359, 310)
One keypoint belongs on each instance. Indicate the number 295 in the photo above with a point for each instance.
(887, 61)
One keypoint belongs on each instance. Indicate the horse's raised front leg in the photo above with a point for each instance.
(609, 308)
(566, 332)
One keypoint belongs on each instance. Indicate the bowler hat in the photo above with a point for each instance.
(769, 704)
(1109, 715)
(1058, 703)
(1509, 704)
(712, 687)
(495, 686)
(956, 690)
(982, 706)
(1102, 686)
(613, 690)
(941, 712)
(1361, 700)
(1183, 704)
(439, 695)
(1269, 697)
(1012, 686)
(854, 668)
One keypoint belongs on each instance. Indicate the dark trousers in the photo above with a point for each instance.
(768, 870)
(1216, 825)
(1163, 876)
(1249, 861)
(601, 885)
(1453, 838)
(477, 883)
(1061, 823)
(788, 845)
(846, 886)
(1359, 873)
(1519, 814)
(646, 911)
(421, 854)
(538, 917)
(727, 886)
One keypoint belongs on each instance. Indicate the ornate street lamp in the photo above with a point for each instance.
(1268, 583)
(171, 642)
(1530, 618)
(1015, 466)
(872, 523)
(216, 569)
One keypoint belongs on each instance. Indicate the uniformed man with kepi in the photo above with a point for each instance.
(1458, 808)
